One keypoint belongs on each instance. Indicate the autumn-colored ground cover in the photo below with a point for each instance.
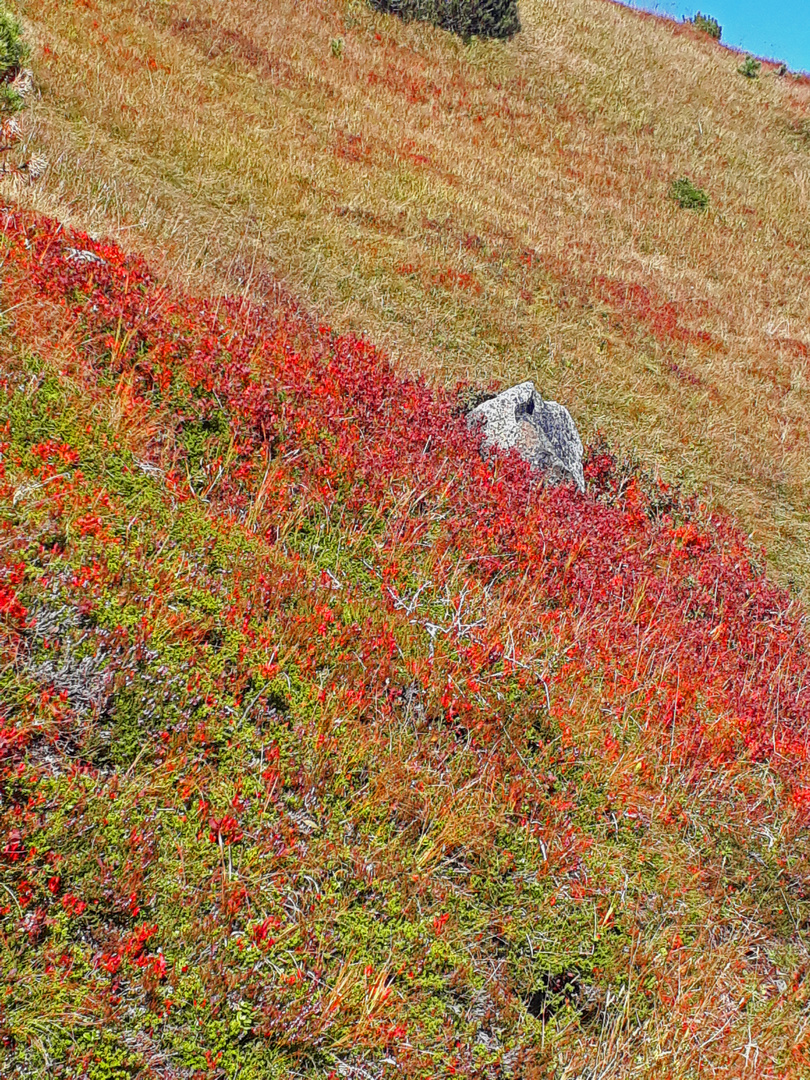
(330, 748)
(526, 183)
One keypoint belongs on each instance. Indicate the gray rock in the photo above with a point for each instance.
(80, 255)
(541, 431)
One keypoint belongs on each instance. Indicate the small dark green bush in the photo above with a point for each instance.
(10, 100)
(484, 18)
(750, 68)
(708, 25)
(13, 50)
(687, 196)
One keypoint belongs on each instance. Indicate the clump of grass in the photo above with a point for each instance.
(707, 25)
(687, 195)
(484, 18)
(798, 131)
(750, 68)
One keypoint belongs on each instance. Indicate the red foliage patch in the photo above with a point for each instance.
(415, 89)
(489, 602)
(720, 637)
(636, 305)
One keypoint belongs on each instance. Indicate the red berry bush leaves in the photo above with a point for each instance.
(329, 747)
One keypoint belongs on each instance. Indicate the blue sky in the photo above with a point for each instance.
(776, 29)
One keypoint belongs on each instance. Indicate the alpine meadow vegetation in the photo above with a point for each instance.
(524, 182)
(331, 745)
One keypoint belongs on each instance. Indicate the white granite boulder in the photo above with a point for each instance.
(541, 431)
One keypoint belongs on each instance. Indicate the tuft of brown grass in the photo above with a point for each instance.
(495, 210)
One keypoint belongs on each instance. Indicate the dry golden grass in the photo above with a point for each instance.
(495, 210)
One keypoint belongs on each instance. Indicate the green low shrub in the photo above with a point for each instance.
(13, 50)
(750, 68)
(687, 195)
(708, 25)
(10, 100)
(484, 18)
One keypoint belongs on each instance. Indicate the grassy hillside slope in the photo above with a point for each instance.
(328, 748)
(495, 210)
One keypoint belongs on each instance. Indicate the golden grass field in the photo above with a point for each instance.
(485, 211)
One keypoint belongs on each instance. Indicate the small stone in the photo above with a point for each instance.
(542, 432)
(35, 167)
(80, 255)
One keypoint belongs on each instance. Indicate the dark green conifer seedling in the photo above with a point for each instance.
(708, 25)
(13, 50)
(687, 195)
(13, 54)
(750, 68)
